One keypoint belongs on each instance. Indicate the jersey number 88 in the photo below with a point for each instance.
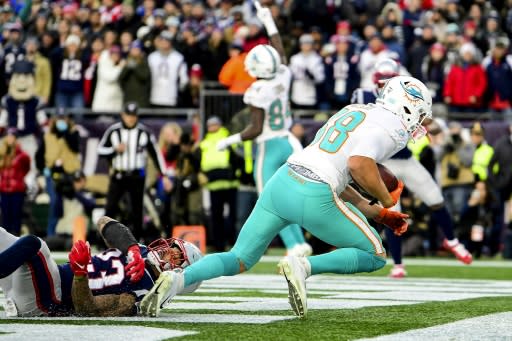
(333, 136)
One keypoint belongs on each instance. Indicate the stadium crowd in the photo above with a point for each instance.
(109, 55)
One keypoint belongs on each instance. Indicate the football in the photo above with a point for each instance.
(388, 177)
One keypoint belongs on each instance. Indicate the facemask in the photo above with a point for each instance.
(61, 125)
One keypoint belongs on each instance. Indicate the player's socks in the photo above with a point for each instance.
(445, 222)
(291, 236)
(212, 266)
(345, 261)
(394, 245)
(299, 234)
(18, 253)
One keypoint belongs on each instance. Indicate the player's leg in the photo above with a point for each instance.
(419, 181)
(343, 226)
(258, 231)
(271, 155)
(6, 240)
(36, 284)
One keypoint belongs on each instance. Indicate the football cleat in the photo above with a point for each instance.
(398, 271)
(295, 274)
(168, 285)
(458, 249)
(300, 250)
(10, 308)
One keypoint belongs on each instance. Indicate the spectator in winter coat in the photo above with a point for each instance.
(135, 78)
(169, 73)
(43, 72)
(419, 50)
(233, 74)
(341, 76)
(434, 70)
(108, 95)
(372, 54)
(308, 71)
(498, 67)
(68, 65)
(14, 165)
(466, 82)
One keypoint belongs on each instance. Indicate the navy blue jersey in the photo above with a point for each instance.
(365, 96)
(69, 72)
(12, 53)
(107, 276)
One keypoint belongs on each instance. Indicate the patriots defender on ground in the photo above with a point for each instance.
(271, 119)
(415, 177)
(107, 284)
(312, 189)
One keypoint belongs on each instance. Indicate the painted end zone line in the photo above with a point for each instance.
(170, 317)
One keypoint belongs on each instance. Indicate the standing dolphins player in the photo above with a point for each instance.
(271, 119)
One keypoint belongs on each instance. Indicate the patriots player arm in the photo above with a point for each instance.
(86, 304)
(365, 173)
(254, 128)
(115, 234)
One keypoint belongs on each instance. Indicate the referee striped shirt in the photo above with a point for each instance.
(139, 142)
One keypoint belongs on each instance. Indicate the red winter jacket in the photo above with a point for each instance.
(12, 177)
(462, 83)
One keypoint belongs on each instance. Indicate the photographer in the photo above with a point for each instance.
(456, 176)
(478, 219)
(188, 208)
(57, 159)
(77, 206)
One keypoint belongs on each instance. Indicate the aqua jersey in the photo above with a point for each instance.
(328, 153)
(271, 95)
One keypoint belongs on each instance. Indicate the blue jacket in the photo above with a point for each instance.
(499, 77)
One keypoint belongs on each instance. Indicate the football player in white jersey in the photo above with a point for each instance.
(271, 119)
(312, 189)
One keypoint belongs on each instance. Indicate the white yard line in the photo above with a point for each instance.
(490, 327)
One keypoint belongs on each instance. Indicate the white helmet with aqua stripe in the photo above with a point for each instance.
(262, 62)
(410, 99)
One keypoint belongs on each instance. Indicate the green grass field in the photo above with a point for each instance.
(321, 324)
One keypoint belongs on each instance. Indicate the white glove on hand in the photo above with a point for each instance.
(228, 141)
(265, 16)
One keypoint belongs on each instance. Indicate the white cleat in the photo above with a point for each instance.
(10, 308)
(169, 284)
(300, 250)
(295, 273)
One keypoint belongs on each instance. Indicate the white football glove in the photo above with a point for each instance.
(265, 16)
(228, 141)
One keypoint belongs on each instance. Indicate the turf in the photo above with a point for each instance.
(334, 324)
(421, 271)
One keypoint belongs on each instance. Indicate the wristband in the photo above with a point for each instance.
(234, 139)
(271, 28)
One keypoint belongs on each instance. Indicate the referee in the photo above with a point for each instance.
(127, 145)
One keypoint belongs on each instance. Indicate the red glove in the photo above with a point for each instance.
(135, 268)
(80, 257)
(397, 192)
(394, 220)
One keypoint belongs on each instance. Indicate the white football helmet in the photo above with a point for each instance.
(172, 253)
(409, 99)
(384, 70)
(262, 62)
